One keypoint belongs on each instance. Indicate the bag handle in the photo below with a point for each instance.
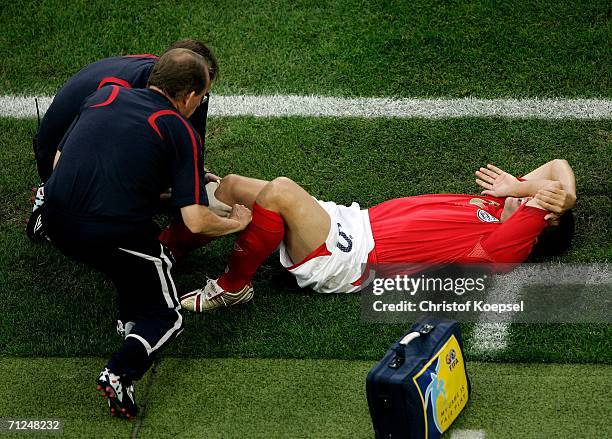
(400, 351)
(409, 337)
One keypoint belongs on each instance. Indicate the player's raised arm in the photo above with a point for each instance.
(553, 182)
(496, 183)
(557, 193)
(499, 183)
(557, 170)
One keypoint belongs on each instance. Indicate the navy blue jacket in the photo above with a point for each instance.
(125, 147)
(130, 71)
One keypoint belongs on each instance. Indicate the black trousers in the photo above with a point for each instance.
(140, 268)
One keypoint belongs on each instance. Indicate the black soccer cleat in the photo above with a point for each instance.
(36, 229)
(120, 395)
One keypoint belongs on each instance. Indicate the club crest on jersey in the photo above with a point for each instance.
(348, 238)
(486, 217)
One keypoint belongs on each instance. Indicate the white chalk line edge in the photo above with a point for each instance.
(324, 106)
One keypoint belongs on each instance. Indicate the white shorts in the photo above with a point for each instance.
(349, 241)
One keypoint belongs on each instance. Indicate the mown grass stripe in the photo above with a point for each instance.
(325, 106)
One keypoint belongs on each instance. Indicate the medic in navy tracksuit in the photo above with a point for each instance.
(123, 149)
(130, 71)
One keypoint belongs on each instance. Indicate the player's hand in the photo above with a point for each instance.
(555, 199)
(241, 214)
(496, 182)
(211, 177)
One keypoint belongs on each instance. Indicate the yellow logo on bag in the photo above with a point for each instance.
(446, 388)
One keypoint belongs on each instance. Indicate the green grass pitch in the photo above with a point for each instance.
(217, 398)
(482, 48)
(331, 159)
(293, 363)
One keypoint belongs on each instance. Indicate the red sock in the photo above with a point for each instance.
(180, 240)
(253, 246)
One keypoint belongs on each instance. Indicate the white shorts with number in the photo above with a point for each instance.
(349, 241)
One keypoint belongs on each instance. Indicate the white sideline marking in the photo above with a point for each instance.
(490, 337)
(467, 434)
(324, 106)
(493, 337)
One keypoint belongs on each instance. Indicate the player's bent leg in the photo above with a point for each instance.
(233, 189)
(236, 189)
(282, 210)
(307, 224)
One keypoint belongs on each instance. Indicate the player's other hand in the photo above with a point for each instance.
(497, 183)
(241, 214)
(555, 199)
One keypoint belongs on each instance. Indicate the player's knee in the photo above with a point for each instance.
(283, 187)
(225, 191)
(229, 182)
(277, 192)
(283, 184)
(230, 179)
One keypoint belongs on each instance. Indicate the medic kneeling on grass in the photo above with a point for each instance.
(325, 245)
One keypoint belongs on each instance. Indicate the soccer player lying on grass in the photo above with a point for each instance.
(325, 246)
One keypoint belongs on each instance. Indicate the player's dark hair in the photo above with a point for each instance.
(201, 49)
(179, 72)
(555, 239)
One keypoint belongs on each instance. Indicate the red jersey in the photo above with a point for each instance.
(444, 228)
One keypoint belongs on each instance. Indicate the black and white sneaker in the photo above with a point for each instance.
(36, 229)
(124, 329)
(120, 394)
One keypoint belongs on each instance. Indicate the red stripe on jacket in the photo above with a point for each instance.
(152, 118)
(113, 80)
(113, 95)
